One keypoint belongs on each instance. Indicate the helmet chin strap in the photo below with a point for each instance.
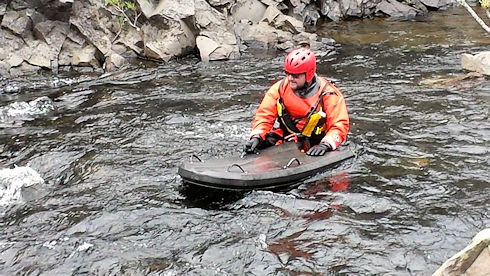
(308, 89)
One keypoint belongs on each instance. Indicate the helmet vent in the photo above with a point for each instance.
(301, 61)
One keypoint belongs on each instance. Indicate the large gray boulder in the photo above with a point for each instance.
(3, 8)
(12, 49)
(214, 32)
(330, 9)
(72, 45)
(43, 55)
(350, 8)
(171, 9)
(220, 3)
(176, 39)
(18, 22)
(98, 26)
(280, 31)
(89, 21)
(438, 4)
(132, 39)
(310, 17)
(85, 56)
(299, 5)
(395, 9)
(263, 35)
(51, 35)
(252, 10)
(278, 20)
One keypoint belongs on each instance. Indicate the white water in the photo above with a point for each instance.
(12, 181)
(22, 111)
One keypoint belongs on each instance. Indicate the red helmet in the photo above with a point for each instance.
(299, 61)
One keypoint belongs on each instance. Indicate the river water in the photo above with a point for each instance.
(90, 185)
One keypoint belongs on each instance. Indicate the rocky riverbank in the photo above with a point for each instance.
(104, 35)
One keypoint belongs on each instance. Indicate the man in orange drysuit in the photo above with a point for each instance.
(302, 106)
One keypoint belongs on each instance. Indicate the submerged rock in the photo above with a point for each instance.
(460, 82)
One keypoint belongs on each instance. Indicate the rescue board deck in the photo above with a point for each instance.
(273, 167)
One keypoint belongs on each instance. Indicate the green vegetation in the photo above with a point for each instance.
(127, 10)
(485, 4)
(123, 5)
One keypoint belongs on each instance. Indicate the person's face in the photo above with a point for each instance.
(296, 81)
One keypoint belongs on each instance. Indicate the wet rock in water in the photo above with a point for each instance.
(473, 260)
(479, 63)
(178, 120)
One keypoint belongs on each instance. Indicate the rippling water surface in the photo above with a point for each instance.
(108, 149)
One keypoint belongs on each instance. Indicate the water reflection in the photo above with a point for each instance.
(208, 198)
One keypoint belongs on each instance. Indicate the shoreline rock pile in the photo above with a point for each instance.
(51, 34)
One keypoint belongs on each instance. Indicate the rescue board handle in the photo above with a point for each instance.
(235, 165)
(291, 162)
(197, 157)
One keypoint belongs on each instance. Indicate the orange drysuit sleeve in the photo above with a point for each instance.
(266, 113)
(337, 124)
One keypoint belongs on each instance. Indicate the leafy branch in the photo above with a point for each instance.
(486, 5)
(124, 7)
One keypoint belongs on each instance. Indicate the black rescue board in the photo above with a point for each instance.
(271, 168)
